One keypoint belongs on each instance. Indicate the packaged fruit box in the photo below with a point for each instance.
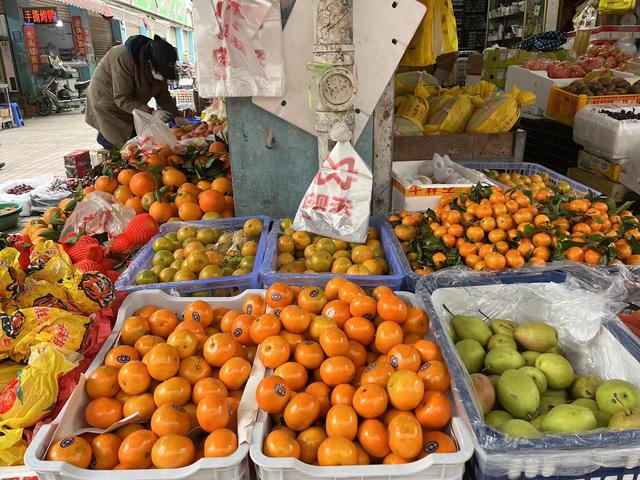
(205, 258)
(300, 258)
(167, 391)
(356, 399)
(548, 377)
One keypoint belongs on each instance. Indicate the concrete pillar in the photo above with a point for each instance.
(180, 44)
(119, 30)
(23, 70)
(192, 46)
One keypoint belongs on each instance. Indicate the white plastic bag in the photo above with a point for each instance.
(606, 136)
(24, 199)
(336, 204)
(98, 213)
(150, 132)
(239, 48)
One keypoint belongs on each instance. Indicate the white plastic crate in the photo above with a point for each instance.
(184, 98)
(439, 466)
(233, 467)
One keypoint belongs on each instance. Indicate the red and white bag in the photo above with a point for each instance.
(337, 203)
(239, 45)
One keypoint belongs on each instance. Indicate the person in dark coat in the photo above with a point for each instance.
(126, 78)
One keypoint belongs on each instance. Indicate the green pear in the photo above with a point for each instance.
(530, 358)
(587, 402)
(518, 394)
(537, 422)
(494, 380)
(537, 376)
(452, 333)
(550, 399)
(495, 418)
(503, 327)
(519, 428)
(625, 420)
(484, 391)
(569, 419)
(536, 336)
(585, 386)
(501, 359)
(501, 340)
(615, 396)
(472, 354)
(467, 326)
(601, 417)
(557, 369)
(557, 350)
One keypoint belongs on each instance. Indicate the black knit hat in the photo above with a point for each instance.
(163, 57)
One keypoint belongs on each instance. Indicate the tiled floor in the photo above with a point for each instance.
(38, 147)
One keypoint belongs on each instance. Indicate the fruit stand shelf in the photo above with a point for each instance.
(464, 146)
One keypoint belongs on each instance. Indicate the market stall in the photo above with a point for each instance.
(147, 331)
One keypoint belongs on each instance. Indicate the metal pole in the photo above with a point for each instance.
(336, 88)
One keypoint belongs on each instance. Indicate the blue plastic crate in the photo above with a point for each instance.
(477, 467)
(525, 168)
(211, 286)
(391, 247)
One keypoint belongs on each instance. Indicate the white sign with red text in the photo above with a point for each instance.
(337, 203)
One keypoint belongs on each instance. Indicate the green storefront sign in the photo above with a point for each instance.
(175, 10)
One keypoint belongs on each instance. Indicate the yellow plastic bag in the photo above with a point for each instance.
(12, 447)
(49, 262)
(616, 7)
(8, 371)
(452, 116)
(499, 114)
(44, 294)
(33, 393)
(435, 36)
(89, 292)
(28, 327)
(483, 89)
(11, 276)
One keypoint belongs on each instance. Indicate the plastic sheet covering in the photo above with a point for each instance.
(580, 302)
(606, 136)
(98, 213)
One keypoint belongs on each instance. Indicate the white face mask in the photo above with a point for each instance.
(156, 75)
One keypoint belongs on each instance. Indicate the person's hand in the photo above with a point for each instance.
(162, 115)
(181, 121)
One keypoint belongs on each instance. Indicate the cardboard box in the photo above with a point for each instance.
(614, 190)
(474, 67)
(495, 58)
(630, 175)
(77, 164)
(496, 76)
(418, 198)
(602, 166)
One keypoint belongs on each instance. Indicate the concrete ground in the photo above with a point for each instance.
(39, 147)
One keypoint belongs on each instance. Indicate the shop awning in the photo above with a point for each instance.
(94, 5)
(127, 17)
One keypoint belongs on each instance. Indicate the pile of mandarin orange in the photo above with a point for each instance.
(184, 379)
(354, 380)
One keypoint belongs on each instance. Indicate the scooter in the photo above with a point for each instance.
(61, 98)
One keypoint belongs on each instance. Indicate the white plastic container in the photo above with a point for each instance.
(18, 472)
(438, 466)
(233, 467)
(418, 198)
(605, 136)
